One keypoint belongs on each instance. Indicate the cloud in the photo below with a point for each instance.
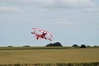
(61, 21)
(29, 2)
(86, 5)
(55, 3)
(77, 3)
(9, 9)
(92, 9)
(59, 3)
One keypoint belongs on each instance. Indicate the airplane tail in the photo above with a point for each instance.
(32, 32)
(49, 39)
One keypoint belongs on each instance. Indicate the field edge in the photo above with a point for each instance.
(54, 64)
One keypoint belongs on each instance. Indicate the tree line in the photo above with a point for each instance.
(58, 44)
(74, 45)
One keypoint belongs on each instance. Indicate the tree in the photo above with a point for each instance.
(83, 46)
(75, 45)
(88, 46)
(10, 46)
(54, 44)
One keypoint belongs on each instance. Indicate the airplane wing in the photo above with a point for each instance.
(43, 31)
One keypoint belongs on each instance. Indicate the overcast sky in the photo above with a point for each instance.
(71, 21)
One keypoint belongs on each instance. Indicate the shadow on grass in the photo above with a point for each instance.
(55, 64)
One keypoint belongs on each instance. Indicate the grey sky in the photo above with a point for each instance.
(73, 21)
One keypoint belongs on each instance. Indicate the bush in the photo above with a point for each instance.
(75, 45)
(96, 46)
(83, 46)
(88, 46)
(9, 46)
(26, 46)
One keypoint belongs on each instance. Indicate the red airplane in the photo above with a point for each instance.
(44, 34)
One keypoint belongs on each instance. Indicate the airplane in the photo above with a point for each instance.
(39, 33)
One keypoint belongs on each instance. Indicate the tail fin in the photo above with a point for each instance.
(49, 39)
(32, 32)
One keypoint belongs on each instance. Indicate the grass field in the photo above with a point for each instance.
(34, 56)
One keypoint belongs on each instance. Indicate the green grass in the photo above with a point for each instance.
(30, 48)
